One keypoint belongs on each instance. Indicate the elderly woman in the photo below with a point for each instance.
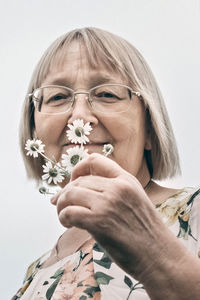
(127, 236)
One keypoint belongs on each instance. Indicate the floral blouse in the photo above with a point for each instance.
(90, 274)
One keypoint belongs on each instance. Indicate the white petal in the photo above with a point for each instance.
(49, 165)
(49, 180)
(45, 176)
(70, 126)
(35, 154)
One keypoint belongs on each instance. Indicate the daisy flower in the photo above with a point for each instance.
(34, 147)
(53, 173)
(73, 156)
(45, 191)
(77, 132)
(108, 149)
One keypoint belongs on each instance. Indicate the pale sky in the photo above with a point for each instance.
(167, 33)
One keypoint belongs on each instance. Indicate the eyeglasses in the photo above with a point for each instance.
(105, 98)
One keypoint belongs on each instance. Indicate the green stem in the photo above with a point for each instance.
(48, 159)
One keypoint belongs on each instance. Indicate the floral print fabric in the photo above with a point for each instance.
(70, 278)
(90, 274)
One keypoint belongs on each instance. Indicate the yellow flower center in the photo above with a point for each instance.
(75, 159)
(79, 131)
(53, 172)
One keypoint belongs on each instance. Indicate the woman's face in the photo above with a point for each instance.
(126, 131)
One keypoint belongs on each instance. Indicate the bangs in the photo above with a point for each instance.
(98, 51)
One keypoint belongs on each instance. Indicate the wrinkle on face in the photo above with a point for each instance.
(126, 131)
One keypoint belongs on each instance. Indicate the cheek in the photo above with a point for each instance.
(129, 125)
(49, 128)
(129, 134)
(129, 153)
(125, 128)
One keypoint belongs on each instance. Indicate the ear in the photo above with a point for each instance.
(147, 145)
(34, 135)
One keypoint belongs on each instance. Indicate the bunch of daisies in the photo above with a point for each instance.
(55, 172)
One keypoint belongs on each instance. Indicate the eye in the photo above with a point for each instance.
(105, 95)
(57, 97)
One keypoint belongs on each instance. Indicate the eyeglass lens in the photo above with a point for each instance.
(106, 98)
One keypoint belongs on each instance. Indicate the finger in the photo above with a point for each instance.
(54, 198)
(95, 183)
(97, 164)
(75, 216)
(77, 196)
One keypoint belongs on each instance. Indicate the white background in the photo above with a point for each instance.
(167, 32)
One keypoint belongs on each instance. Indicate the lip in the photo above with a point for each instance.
(91, 146)
(87, 144)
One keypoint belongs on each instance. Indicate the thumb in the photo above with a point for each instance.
(99, 165)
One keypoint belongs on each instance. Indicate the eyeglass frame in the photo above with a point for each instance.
(74, 93)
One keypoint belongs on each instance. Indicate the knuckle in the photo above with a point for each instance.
(116, 196)
(125, 187)
(77, 181)
(60, 203)
(64, 218)
(94, 157)
(120, 186)
(65, 199)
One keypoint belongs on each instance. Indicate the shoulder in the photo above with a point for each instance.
(181, 213)
(30, 273)
(178, 205)
(35, 266)
(194, 205)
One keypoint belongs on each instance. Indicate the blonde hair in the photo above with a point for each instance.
(116, 54)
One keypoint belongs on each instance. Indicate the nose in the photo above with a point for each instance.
(81, 109)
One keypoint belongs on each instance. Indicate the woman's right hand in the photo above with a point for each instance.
(112, 205)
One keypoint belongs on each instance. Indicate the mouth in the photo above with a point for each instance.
(91, 146)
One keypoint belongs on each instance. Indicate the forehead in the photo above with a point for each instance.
(74, 63)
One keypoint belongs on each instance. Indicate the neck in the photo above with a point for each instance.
(143, 175)
(71, 240)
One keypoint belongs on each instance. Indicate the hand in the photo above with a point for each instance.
(113, 206)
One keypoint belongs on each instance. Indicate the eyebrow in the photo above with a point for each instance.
(101, 79)
(93, 80)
